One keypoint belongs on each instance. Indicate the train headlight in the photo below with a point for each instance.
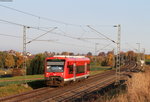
(48, 67)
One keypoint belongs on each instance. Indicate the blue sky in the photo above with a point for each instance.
(133, 15)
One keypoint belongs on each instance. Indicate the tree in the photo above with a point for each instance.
(65, 53)
(110, 56)
(19, 60)
(102, 54)
(2, 60)
(37, 65)
(89, 54)
(71, 54)
(9, 61)
(130, 55)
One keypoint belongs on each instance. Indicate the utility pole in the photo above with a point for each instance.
(143, 69)
(96, 48)
(122, 60)
(139, 58)
(114, 58)
(118, 54)
(24, 52)
(118, 43)
(24, 46)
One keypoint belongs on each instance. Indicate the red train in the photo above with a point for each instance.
(62, 69)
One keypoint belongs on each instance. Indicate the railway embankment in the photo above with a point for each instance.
(135, 89)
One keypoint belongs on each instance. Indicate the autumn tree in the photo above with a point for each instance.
(2, 59)
(102, 54)
(9, 61)
(65, 53)
(131, 55)
(19, 60)
(110, 58)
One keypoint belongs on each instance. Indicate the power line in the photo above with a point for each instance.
(41, 35)
(132, 47)
(64, 34)
(54, 41)
(45, 18)
(94, 38)
(104, 47)
(10, 35)
(39, 17)
(11, 22)
(27, 37)
(101, 34)
(73, 45)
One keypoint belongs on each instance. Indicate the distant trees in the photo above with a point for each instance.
(103, 59)
(102, 54)
(35, 63)
(2, 60)
(131, 55)
(9, 60)
(110, 58)
(89, 54)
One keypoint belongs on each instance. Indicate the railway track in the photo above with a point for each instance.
(41, 91)
(65, 93)
(23, 96)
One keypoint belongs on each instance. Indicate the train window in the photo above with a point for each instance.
(88, 67)
(80, 69)
(70, 69)
(55, 65)
(55, 68)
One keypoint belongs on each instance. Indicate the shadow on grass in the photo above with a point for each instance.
(6, 76)
(37, 84)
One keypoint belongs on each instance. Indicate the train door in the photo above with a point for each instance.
(85, 69)
(74, 72)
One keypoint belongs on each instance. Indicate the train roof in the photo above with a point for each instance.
(69, 57)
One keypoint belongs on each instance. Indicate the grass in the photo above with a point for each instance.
(20, 79)
(96, 69)
(23, 77)
(147, 61)
(13, 89)
(97, 72)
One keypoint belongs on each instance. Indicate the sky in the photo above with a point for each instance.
(71, 18)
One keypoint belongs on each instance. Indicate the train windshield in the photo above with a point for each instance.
(55, 65)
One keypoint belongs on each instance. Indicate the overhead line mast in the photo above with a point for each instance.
(118, 59)
(24, 51)
(118, 43)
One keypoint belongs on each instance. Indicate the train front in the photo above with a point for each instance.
(54, 71)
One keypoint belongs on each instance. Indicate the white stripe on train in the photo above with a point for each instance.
(78, 77)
